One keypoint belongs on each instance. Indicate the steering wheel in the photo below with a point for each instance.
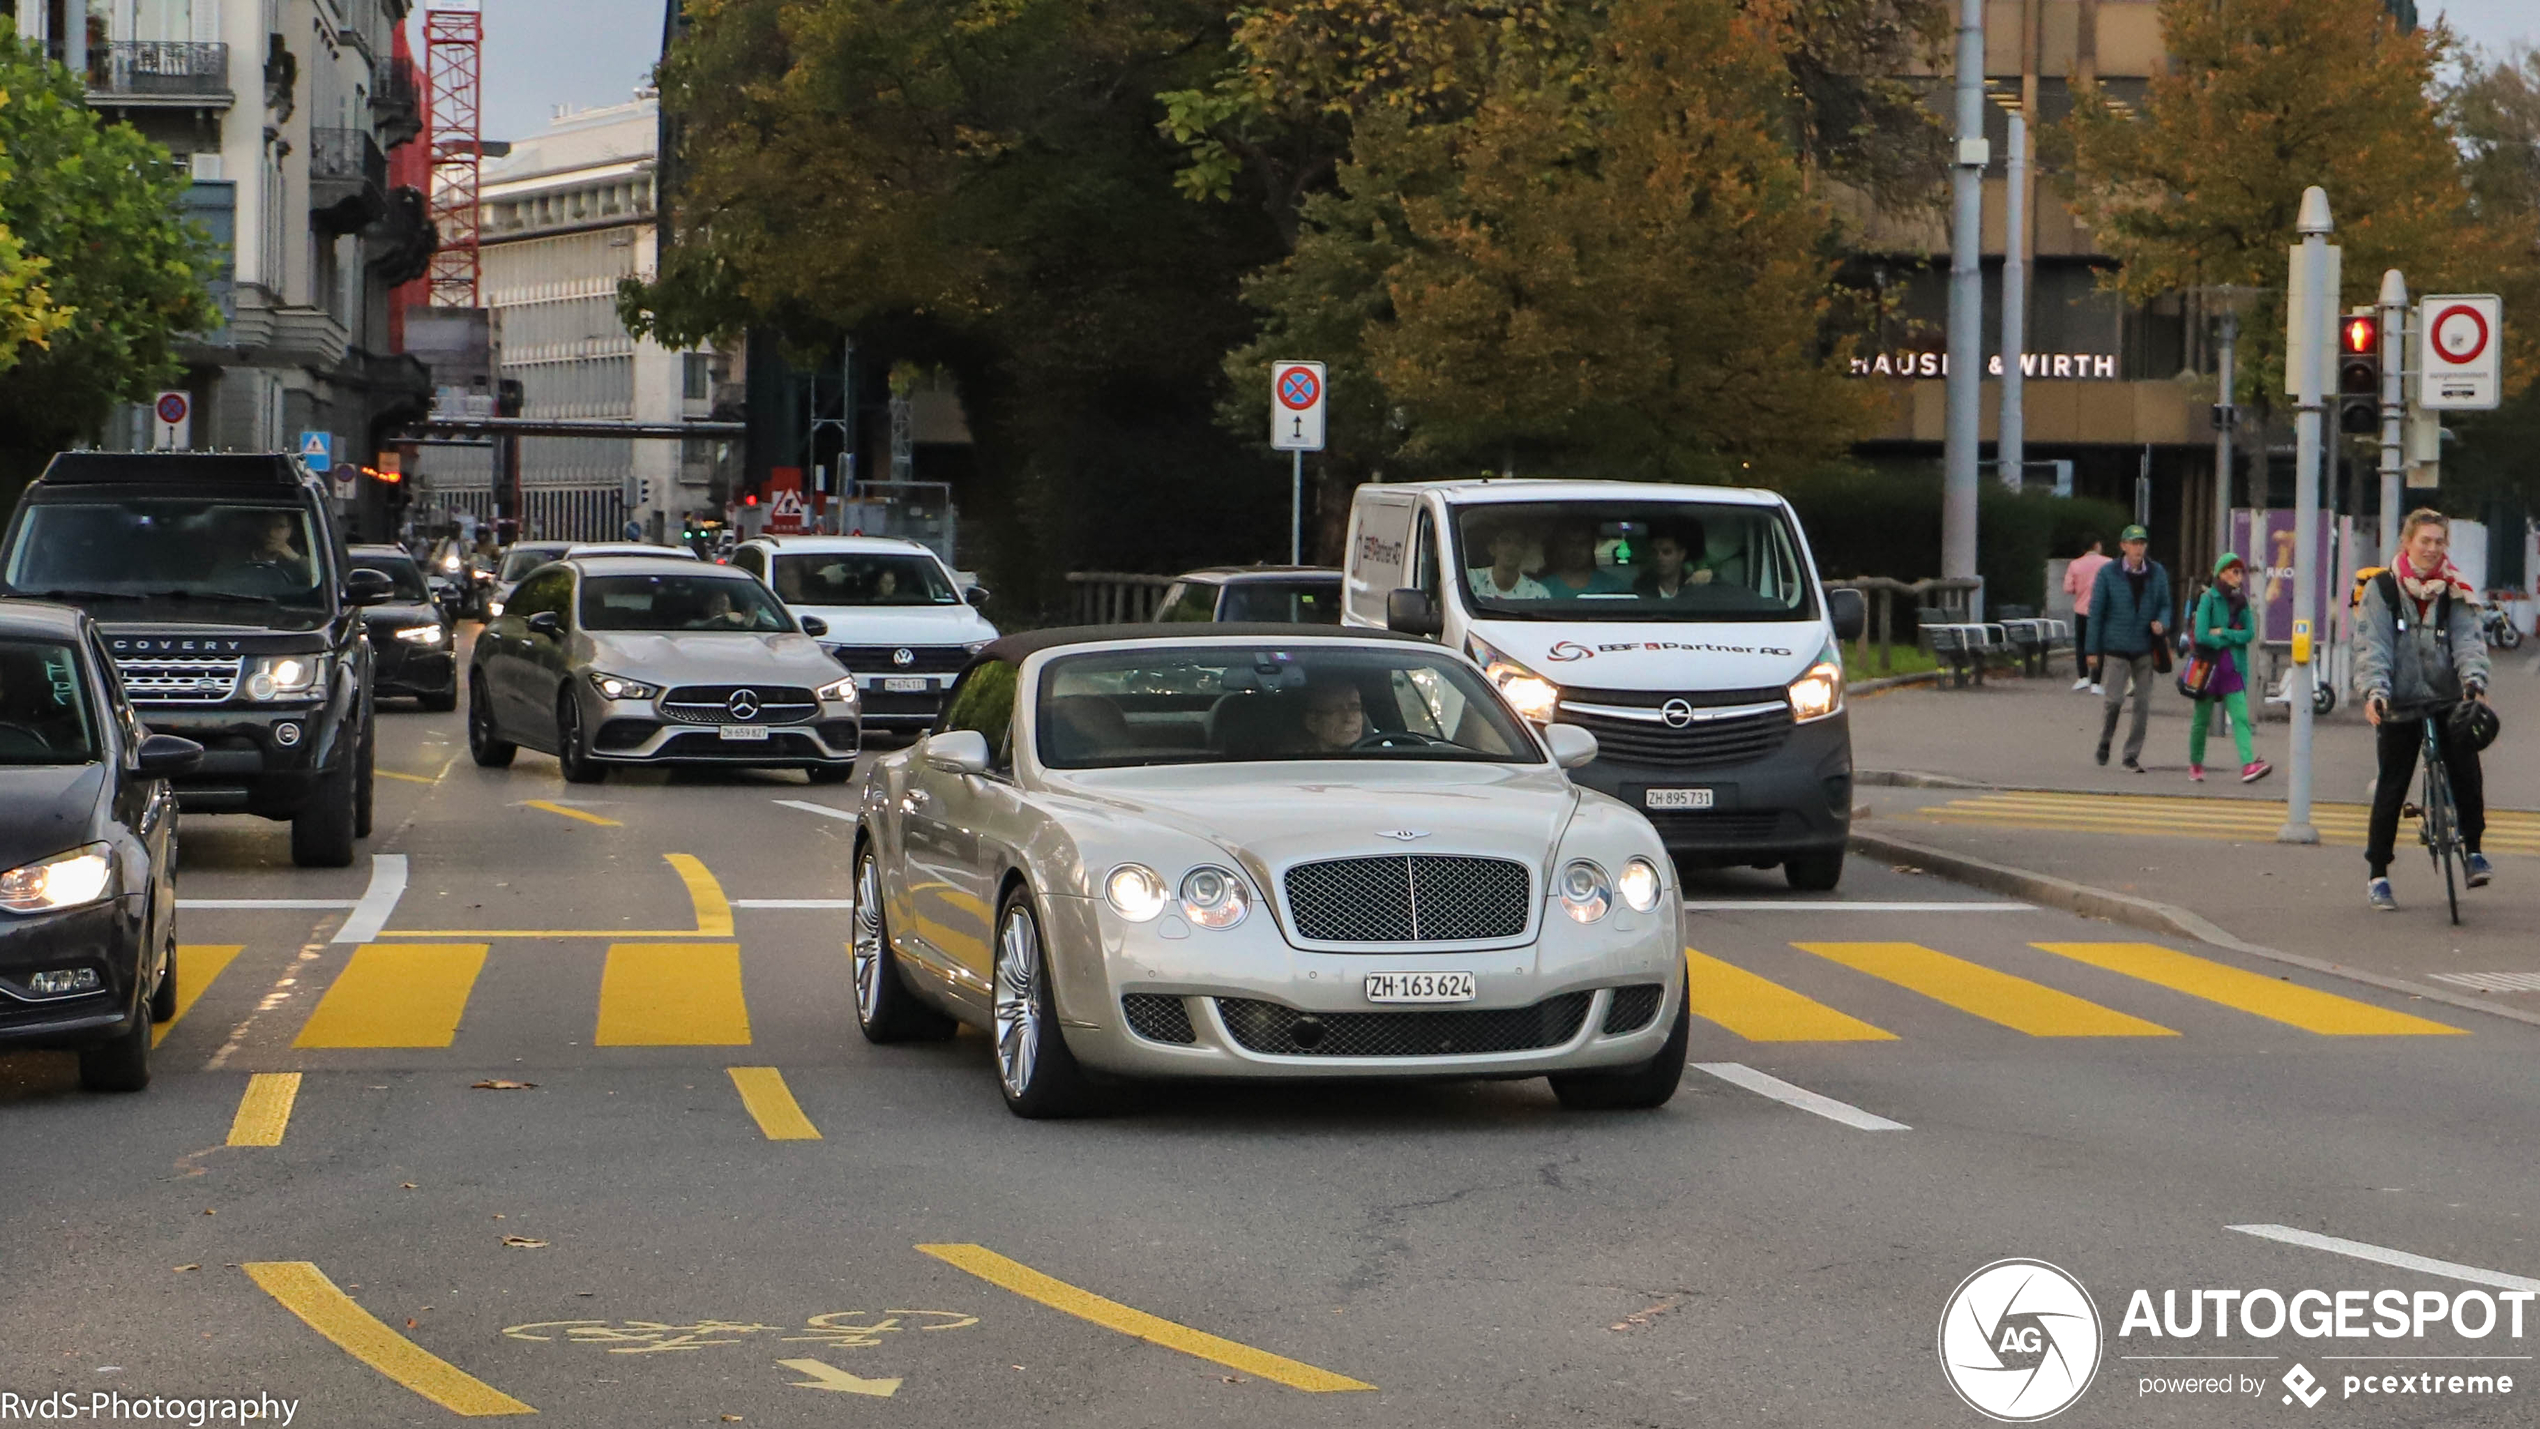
(11, 732)
(1388, 738)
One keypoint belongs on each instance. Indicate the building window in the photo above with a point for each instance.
(696, 379)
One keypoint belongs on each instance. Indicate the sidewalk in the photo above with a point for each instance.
(2208, 849)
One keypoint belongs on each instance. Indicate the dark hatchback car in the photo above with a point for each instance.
(413, 642)
(87, 851)
(1282, 595)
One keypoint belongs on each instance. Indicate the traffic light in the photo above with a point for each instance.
(2359, 374)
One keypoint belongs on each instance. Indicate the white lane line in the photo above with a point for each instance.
(387, 885)
(793, 903)
(1764, 1084)
(1799, 905)
(264, 903)
(824, 810)
(2381, 1255)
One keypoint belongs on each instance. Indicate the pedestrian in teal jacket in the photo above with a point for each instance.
(2222, 629)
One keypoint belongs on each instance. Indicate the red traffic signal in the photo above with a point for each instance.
(750, 499)
(2359, 373)
(2360, 335)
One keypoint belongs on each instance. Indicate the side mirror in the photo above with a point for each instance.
(1571, 745)
(958, 751)
(367, 587)
(547, 623)
(814, 626)
(975, 596)
(164, 754)
(1412, 613)
(1850, 612)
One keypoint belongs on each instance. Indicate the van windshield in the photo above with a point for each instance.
(1646, 560)
(239, 563)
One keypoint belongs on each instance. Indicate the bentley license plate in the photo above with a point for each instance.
(905, 684)
(1419, 987)
(745, 731)
(1676, 799)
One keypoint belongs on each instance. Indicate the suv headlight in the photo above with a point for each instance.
(618, 687)
(1640, 885)
(66, 880)
(422, 635)
(1214, 897)
(1586, 893)
(839, 692)
(285, 677)
(1528, 693)
(1818, 693)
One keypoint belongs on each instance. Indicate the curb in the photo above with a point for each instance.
(1917, 779)
(1894, 682)
(2049, 891)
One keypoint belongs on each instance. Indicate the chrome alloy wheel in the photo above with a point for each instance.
(867, 948)
(1018, 1001)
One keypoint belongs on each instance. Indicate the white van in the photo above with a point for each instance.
(1683, 625)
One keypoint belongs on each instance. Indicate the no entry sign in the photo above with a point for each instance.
(1296, 406)
(2461, 356)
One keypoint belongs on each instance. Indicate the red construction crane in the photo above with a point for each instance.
(453, 38)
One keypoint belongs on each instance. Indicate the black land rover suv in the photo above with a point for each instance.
(221, 586)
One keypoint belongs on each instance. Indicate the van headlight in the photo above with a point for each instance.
(66, 880)
(1640, 885)
(1586, 894)
(1818, 693)
(837, 692)
(1528, 693)
(285, 677)
(1214, 897)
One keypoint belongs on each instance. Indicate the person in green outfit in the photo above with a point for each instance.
(2224, 627)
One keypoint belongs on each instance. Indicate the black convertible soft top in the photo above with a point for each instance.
(1014, 648)
(268, 469)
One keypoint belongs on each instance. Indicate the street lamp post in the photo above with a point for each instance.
(2311, 288)
(1966, 309)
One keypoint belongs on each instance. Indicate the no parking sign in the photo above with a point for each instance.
(2461, 356)
(1296, 406)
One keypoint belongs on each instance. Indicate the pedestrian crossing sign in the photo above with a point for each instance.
(317, 450)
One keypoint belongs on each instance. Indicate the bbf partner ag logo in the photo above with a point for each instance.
(2019, 1341)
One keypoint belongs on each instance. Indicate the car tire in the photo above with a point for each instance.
(573, 752)
(830, 773)
(163, 997)
(1035, 1070)
(364, 784)
(1638, 1088)
(1816, 872)
(483, 746)
(322, 832)
(886, 1011)
(122, 1065)
(441, 702)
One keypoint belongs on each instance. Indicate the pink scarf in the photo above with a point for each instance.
(2424, 589)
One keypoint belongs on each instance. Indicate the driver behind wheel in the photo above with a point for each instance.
(1335, 717)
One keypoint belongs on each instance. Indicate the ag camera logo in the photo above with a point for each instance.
(2019, 1341)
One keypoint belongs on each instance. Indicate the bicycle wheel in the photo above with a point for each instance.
(2443, 832)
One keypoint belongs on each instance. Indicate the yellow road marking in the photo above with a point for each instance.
(396, 995)
(2271, 998)
(672, 995)
(1031, 1284)
(409, 778)
(197, 965)
(2014, 1002)
(772, 1104)
(714, 914)
(264, 1112)
(304, 1290)
(1760, 1010)
(571, 813)
(825, 1375)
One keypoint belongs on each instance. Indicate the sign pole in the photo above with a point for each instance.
(1297, 396)
(1296, 508)
(2394, 402)
(2310, 291)
(1964, 389)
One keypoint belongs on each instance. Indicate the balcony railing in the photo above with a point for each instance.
(167, 69)
(348, 178)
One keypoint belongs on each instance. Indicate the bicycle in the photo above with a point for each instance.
(2439, 817)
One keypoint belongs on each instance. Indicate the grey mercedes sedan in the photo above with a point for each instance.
(617, 660)
(1261, 851)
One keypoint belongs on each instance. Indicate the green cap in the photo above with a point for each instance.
(2227, 560)
(2133, 533)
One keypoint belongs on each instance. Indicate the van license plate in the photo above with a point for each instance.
(1419, 987)
(906, 684)
(1676, 799)
(745, 732)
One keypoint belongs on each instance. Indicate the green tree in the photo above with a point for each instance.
(99, 205)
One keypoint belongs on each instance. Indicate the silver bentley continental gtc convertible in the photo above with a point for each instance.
(1261, 851)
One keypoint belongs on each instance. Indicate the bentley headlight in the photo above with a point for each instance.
(1214, 898)
(1136, 892)
(1639, 885)
(1585, 892)
(493, 608)
(66, 880)
(285, 677)
(1528, 693)
(1818, 693)
(837, 692)
(618, 687)
(422, 635)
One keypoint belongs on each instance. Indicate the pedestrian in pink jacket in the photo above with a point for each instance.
(2078, 578)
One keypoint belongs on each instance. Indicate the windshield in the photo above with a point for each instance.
(404, 576)
(1316, 602)
(43, 707)
(860, 578)
(1631, 560)
(237, 559)
(715, 604)
(521, 560)
(1216, 704)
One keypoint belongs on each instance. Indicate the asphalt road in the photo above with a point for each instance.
(708, 1201)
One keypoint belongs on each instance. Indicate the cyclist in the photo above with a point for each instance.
(2419, 654)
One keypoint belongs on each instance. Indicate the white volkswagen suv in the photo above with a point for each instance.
(898, 618)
